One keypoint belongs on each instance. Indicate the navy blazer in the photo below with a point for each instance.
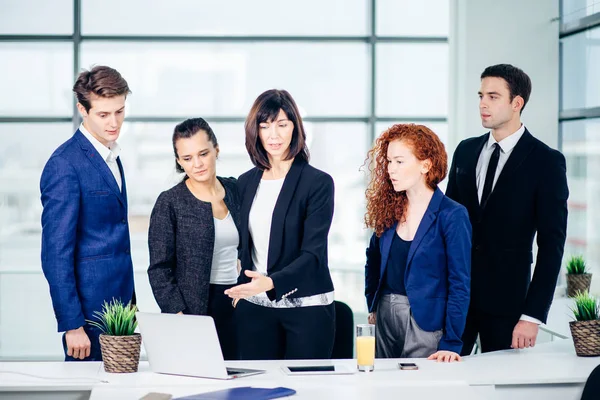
(86, 255)
(297, 257)
(438, 270)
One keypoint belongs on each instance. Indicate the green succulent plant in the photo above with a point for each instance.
(587, 307)
(576, 265)
(116, 318)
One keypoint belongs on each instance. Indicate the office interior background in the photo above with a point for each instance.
(354, 67)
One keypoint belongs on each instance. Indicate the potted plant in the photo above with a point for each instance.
(578, 279)
(119, 343)
(585, 330)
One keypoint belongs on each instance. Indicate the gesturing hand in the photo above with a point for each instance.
(259, 284)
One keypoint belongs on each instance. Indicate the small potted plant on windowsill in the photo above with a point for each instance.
(578, 279)
(119, 343)
(585, 330)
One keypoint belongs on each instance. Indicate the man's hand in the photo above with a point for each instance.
(372, 318)
(78, 343)
(259, 284)
(524, 334)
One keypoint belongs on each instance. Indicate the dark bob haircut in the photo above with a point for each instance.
(266, 108)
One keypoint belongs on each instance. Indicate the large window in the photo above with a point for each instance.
(353, 73)
(580, 127)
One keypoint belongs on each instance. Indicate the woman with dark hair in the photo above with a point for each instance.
(194, 235)
(417, 273)
(287, 311)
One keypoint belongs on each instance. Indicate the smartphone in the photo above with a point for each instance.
(408, 366)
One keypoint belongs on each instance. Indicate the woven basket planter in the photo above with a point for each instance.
(121, 353)
(586, 337)
(578, 283)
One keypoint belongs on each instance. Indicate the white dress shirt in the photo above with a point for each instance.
(109, 155)
(507, 145)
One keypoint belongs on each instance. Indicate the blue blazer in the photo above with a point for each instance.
(438, 270)
(86, 254)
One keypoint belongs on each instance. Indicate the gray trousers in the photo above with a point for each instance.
(397, 335)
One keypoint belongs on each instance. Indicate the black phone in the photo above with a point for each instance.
(408, 366)
(313, 368)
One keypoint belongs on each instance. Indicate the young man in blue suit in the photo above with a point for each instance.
(86, 254)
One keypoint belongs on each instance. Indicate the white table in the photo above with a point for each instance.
(549, 371)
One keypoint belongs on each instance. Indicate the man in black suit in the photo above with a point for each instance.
(513, 186)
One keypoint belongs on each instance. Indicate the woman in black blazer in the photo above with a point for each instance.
(287, 311)
(194, 235)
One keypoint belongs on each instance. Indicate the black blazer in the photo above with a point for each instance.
(529, 197)
(181, 239)
(297, 258)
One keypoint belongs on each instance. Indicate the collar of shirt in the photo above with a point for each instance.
(508, 143)
(107, 154)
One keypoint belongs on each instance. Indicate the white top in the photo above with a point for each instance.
(259, 221)
(224, 261)
(108, 155)
(507, 145)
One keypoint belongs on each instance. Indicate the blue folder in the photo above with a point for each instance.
(242, 393)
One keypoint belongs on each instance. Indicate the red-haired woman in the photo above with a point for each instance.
(419, 258)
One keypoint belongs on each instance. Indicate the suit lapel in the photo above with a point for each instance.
(521, 151)
(249, 193)
(123, 184)
(97, 161)
(473, 192)
(385, 244)
(428, 219)
(283, 201)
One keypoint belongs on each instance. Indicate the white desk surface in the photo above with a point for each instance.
(45, 376)
(549, 363)
(446, 392)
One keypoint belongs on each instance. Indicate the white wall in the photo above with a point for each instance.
(523, 33)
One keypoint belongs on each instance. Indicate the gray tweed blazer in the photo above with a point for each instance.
(181, 239)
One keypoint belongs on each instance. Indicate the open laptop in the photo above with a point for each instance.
(185, 345)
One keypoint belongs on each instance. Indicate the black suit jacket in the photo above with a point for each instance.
(529, 197)
(181, 239)
(297, 257)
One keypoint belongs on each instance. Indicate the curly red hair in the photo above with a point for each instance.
(385, 206)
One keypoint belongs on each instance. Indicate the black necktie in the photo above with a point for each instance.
(489, 176)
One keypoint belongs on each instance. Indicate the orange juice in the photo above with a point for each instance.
(365, 350)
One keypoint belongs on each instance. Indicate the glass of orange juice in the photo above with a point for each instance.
(365, 347)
